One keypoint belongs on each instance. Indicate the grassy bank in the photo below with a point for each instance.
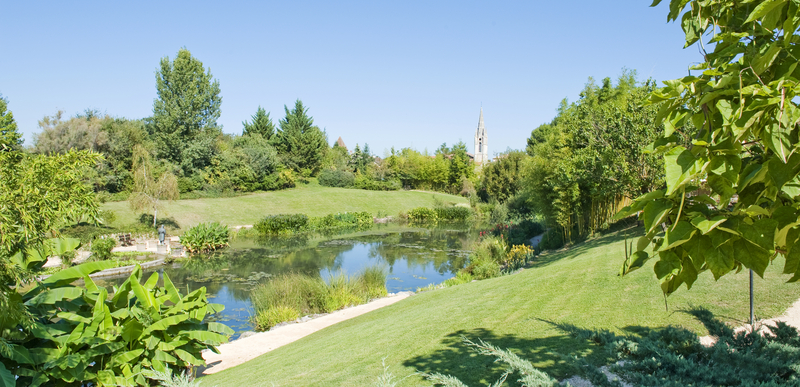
(578, 286)
(312, 200)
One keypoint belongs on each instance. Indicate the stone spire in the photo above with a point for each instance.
(481, 142)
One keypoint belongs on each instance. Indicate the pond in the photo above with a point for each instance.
(412, 257)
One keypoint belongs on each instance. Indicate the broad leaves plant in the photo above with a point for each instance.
(732, 197)
(82, 335)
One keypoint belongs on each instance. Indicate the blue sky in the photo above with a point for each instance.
(403, 74)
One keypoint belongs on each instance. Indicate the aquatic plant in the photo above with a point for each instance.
(205, 237)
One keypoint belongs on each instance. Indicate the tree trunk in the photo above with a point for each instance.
(155, 215)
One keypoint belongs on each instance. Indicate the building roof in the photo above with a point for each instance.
(340, 143)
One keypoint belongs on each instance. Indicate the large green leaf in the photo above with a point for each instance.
(751, 256)
(668, 264)
(172, 291)
(655, 213)
(720, 262)
(205, 337)
(165, 323)
(51, 296)
(189, 358)
(220, 328)
(706, 225)
(680, 166)
(7, 379)
(678, 235)
(132, 330)
(129, 356)
(67, 276)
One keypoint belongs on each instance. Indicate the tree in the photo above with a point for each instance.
(742, 99)
(502, 178)
(187, 106)
(149, 186)
(460, 165)
(261, 124)
(10, 138)
(79, 133)
(302, 145)
(39, 194)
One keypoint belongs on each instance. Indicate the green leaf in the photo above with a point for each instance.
(720, 262)
(655, 213)
(51, 296)
(172, 291)
(668, 264)
(164, 357)
(7, 379)
(205, 337)
(761, 233)
(151, 282)
(189, 358)
(680, 168)
(679, 234)
(751, 256)
(132, 331)
(220, 328)
(688, 272)
(762, 9)
(635, 261)
(67, 276)
(706, 225)
(128, 357)
(165, 323)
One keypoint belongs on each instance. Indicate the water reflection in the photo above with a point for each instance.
(413, 257)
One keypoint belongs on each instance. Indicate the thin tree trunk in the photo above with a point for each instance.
(155, 215)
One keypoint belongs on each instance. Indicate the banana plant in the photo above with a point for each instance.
(83, 334)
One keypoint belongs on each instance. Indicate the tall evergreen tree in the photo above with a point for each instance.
(187, 106)
(10, 138)
(261, 124)
(460, 165)
(301, 145)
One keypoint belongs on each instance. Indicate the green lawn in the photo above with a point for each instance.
(312, 200)
(577, 286)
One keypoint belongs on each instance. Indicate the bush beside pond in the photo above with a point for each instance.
(288, 296)
(286, 224)
(205, 237)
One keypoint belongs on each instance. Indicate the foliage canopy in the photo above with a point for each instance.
(732, 196)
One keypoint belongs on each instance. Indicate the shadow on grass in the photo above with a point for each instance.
(147, 219)
(630, 234)
(549, 354)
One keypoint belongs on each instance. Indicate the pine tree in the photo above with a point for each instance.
(261, 124)
(300, 144)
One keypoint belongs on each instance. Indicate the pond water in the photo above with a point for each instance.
(412, 257)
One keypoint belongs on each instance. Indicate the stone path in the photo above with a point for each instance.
(239, 351)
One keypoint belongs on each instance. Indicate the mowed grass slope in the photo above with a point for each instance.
(579, 286)
(312, 200)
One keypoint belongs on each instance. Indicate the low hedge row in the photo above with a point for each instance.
(285, 224)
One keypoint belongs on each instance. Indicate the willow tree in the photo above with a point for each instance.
(742, 99)
(150, 187)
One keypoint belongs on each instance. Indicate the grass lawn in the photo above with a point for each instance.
(579, 286)
(312, 200)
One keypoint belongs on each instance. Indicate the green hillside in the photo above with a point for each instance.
(578, 286)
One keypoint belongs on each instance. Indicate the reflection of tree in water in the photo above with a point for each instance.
(444, 248)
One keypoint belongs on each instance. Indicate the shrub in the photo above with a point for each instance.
(282, 224)
(364, 182)
(454, 213)
(483, 268)
(422, 215)
(552, 239)
(517, 257)
(335, 178)
(85, 337)
(329, 222)
(101, 248)
(462, 277)
(107, 216)
(205, 237)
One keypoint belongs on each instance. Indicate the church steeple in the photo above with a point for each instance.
(481, 142)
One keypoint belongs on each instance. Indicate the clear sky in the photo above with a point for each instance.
(388, 73)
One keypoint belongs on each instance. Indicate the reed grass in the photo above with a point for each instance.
(289, 296)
